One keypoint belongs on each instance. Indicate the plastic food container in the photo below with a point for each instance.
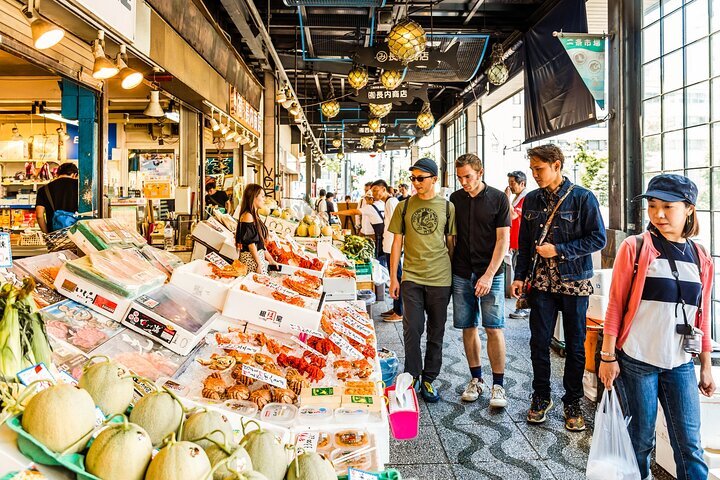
(351, 439)
(242, 407)
(312, 414)
(279, 413)
(362, 461)
(356, 416)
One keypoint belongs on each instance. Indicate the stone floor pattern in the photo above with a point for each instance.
(468, 441)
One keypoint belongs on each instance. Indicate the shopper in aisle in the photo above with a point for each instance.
(321, 203)
(423, 226)
(252, 233)
(517, 186)
(658, 318)
(363, 201)
(381, 191)
(60, 195)
(482, 219)
(403, 191)
(215, 198)
(331, 209)
(373, 218)
(561, 228)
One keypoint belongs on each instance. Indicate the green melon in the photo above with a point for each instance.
(110, 386)
(239, 461)
(311, 466)
(179, 461)
(159, 414)
(267, 454)
(59, 417)
(252, 475)
(121, 452)
(204, 422)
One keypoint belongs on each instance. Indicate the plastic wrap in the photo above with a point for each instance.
(78, 326)
(103, 233)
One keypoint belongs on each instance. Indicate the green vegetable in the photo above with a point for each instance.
(10, 341)
(33, 326)
(359, 248)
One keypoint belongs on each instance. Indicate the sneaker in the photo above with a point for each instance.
(519, 314)
(473, 390)
(394, 318)
(498, 399)
(574, 419)
(429, 394)
(538, 408)
(388, 313)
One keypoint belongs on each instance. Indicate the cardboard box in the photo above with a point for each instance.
(591, 340)
(597, 306)
(171, 317)
(86, 293)
(213, 234)
(601, 281)
(267, 312)
(280, 226)
(194, 278)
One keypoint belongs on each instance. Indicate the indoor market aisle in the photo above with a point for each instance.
(468, 441)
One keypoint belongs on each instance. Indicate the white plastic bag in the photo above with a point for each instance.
(611, 454)
(380, 274)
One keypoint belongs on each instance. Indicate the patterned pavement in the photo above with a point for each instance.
(462, 441)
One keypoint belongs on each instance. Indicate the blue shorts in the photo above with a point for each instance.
(467, 307)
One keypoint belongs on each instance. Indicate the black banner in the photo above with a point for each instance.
(402, 94)
(380, 56)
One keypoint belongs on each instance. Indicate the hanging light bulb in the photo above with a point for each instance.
(391, 79)
(406, 40)
(330, 109)
(281, 97)
(154, 109)
(129, 78)
(337, 142)
(358, 77)
(374, 124)
(498, 73)
(379, 110)
(103, 68)
(425, 119)
(340, 155)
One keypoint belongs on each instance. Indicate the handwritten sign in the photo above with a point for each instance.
(263, 376)
(242, 348)
(350, 334)
(345, 346)
(297, 328)
(216, 260)
(307, 441)
(35, 373)
(359, 327)
(354, 474)
(355, 315)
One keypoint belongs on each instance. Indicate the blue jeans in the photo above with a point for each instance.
(677, 389)
(468, 309)
(544, 308)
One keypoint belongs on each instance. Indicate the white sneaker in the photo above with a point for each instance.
(473, 390)
(497, 397)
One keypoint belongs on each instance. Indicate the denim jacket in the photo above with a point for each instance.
(578, 231)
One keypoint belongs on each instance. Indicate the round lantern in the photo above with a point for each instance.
(330, 108)
(380, 110)
(391, 79)
(358, 77)
(425, 119)
(374, 124)
(407, 40)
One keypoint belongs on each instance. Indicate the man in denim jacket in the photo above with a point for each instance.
(560, 280)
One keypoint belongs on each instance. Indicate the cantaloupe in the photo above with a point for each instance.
(239, 460)
(267, 454)
(204, 422)
(302, 230)
(179, 461)
(311, 466)
(326, 230)
(159, 414)
(60, 417)
(314, 230)
(252, 475)
(120, 452)
(110, 386)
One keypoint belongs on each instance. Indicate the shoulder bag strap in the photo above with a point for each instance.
(447, 217)
(639, 240)
(382, 217)
(402, 216)
(47, 194)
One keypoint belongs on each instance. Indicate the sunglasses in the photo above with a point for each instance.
(420, 178)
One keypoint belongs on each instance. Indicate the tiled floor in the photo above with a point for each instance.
(470, 441)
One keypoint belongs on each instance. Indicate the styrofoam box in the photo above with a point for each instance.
(597, 306)
(714, 474)
(212, 234)
(601, 281)
(194, 279)
(339, 288)
(268, 312)
(229, 250)
(712, 459)
(171, 317)
(92, 296)
(290, 269)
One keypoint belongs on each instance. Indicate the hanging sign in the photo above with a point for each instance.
(116, 15)
(244, 113)
(402, 94)
(587, 53)
(380, 56)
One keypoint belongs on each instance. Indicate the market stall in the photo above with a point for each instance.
(207, 345)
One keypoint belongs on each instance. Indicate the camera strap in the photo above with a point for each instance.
(676, 274)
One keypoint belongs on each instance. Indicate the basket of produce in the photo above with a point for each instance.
(360, 249)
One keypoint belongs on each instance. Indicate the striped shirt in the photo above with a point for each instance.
(652, 338)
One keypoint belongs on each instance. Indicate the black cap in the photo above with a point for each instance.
(671, 188)
(426, 165)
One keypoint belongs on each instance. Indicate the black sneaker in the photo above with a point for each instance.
(574, 419)
(538, 408)
(428, 392)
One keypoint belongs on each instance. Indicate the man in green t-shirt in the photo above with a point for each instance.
(423, 226)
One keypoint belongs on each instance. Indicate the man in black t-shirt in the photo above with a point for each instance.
(216, 198)
(482, 217)
(60, 194)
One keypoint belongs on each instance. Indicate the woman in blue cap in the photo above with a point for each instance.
(657, 320)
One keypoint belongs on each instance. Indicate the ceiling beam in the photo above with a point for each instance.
(472, 11)
(319, 88)
(238, 14)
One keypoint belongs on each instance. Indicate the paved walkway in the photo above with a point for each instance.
(468, 440)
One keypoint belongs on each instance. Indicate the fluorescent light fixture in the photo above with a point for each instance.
(154, 109)
(57, 117)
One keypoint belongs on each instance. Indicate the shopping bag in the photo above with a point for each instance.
(611, 454)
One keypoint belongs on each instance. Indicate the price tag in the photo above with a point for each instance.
(357, 316)
(362, 329)
(263, 376)
(345, 346)
(350, 334)
(307, 441)
(216, 260)
(5, 250)
(355, 474)
(307, 347)
(34, 373)
(297, 328)
(147, 302)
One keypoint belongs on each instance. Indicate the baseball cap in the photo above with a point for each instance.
(670, 187)
(426, 165)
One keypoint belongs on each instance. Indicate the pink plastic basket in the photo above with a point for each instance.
(404, 425)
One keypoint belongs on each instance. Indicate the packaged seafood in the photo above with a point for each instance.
(343, 458)
(43, 294)
(78, 325)
(292, 257)
(102, 233)
(163, 260)
(44, 268)
(352, 438)
(67, 358)
(91, 295)
(315, 414)
(279, 413)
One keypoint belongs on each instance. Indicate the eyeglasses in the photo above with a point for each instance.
(420, 178)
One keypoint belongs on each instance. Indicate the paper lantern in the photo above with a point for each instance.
(380, 110)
